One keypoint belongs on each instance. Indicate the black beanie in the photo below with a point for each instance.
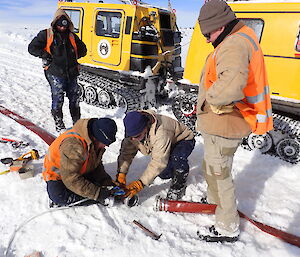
(104, 130)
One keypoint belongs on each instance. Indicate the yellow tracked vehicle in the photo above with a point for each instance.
(277, 27)
(132, 49)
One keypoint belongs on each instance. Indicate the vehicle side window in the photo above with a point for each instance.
(297, 45)
(75, 18)
(256, 24)
(108, 24)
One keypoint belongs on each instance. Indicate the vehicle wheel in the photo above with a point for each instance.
(262, 142)
(90, 95)
(104, 98)
(289, 150)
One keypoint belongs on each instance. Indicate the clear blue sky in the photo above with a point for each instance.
(41, 11)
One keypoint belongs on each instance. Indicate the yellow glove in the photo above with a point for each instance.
(220, 109)
(121, 179)
(134, 187)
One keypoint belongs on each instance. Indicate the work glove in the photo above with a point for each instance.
(107, 193)
(220, 109)
(121, 179)
(134, 187)
(46, 55)
(46, 59)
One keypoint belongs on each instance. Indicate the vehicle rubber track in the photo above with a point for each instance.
(283, 141)
(114, 88)
(287, 147)
(287, 125)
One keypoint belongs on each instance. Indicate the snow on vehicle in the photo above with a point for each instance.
(277, 28)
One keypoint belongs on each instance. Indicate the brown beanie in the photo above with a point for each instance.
(215, 14)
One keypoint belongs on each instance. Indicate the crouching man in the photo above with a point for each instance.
(73, 168)
(169, 143)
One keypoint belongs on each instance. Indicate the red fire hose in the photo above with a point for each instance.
(43, 134)
(194, 207)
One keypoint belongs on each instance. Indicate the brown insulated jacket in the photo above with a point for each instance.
(164, 133)
(72, 158)
(232, 61)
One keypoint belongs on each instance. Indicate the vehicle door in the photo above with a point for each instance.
(107, 37)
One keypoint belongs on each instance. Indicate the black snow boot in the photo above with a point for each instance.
(75, 114)
(178, 185)
(58, 120)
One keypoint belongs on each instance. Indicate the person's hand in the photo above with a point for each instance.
(46, 59)
(220, 109)
(106, 192)
(46, 56)
(121, 179)
(134, 187)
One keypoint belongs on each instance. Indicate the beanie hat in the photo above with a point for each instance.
(104, 130)
(134, 123)
(63, 22)
(215, 14)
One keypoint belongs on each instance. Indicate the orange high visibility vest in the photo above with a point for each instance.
(52, 159)
(50, 41)
(256, 106)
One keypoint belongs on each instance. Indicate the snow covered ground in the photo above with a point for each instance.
(268, 188)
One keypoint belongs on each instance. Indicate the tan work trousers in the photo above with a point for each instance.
(217, 164)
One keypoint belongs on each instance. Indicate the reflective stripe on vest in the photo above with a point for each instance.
(256, 106)
(51, 169)
(50, 41)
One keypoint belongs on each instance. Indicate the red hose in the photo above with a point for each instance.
(182, 206)
(194, 207)
(43, 134)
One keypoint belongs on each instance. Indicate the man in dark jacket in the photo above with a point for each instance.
(60, 48)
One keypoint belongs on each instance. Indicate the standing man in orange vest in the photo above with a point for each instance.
(233, 101)
(60, 47)
(73, 168)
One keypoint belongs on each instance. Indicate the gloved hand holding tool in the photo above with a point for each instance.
(108, 193)
(123, 194)
(121, 179)
(134, 187)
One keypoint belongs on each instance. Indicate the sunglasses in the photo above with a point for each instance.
(207, 35)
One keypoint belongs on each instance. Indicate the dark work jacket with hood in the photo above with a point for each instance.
(63, 57)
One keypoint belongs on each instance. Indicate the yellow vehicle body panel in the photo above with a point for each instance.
(279, 33)
(114, 53)
(118, 54)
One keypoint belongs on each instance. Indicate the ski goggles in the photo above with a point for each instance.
(63, 23)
